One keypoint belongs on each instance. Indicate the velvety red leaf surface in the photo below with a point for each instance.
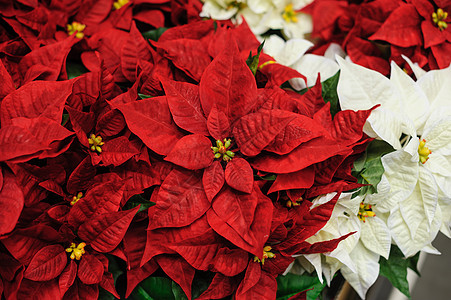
(179, 271)
(184, 103)
(47, 263)
(192, 152)
(229, 84)
(151, 121)
(38, 98)
(67, 277)
(301, 179)
(253, 132)
(90, 269)
(106, 231)
(404, 33)
(42, 290)
(181, 200)
(218, 124)
(220, 287)
(239, 175)
(213, 179)
(11, 202)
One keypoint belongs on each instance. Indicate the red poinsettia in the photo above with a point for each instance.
(415, 28)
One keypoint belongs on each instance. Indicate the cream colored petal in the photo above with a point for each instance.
(376, 236)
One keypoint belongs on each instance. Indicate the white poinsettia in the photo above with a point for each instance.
(358, 255)
(419, 170)
(262, 15)
(292, 54)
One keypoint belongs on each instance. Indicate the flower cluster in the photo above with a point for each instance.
(373, 33)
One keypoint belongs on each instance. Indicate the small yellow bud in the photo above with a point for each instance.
(119, 3)
(365, 211)
(96, 143)
(77, 251)
(423, 151)
(76, 28)
(439, 18)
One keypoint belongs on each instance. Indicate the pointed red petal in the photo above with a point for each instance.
(192, 152)
(302, 179)
(11, 202)
(213, 179)
(184, 102)
(90, 269)
(47, 263)
(229, 84)
(179, 271)
(106, 231)
(181, 200)
(239, 175)
(218, 124)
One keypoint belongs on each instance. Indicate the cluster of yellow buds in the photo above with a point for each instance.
(423, 151)
(95, 142)
(266, 254)
(439, 18)
(365, 211)
(221, 150)
(77, 251)
(76, 198)
(76, 27)
(291, 203)
(289, 15)
(119, 3)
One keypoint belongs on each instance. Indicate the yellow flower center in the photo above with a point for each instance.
(119, 3)
(95, 142)
(77, 251)
(76, 28)
(423, 151)
(365, 211)
(236, 4)
(222, 150)
(439, 19)
(266, 254)
(289, 15)
(76, 198)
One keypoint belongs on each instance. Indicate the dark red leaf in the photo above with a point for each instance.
(38, 290)
(179, 271)
(221, 286)
(90, 269)
(265, 289)
(110, 124)
(229, 84)
(230, 262)
(38, 98)
(135, 276)
(11, 202)
(134, 49)
(80, 178)
(319, 247)
(192, 152)
(67, 277)
(239, 175)
(302, 179)
(117, 151)
(252, 276)
(253, 132)
(184, 103)
(181, 200)
(218, 124)
(398, 30)
(213, 179)
(79, 290)
(47, 263)
(303, 156)
(104, 232)
(7, 84)
(151, 121)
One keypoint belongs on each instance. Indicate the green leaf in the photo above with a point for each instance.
(179, 294)
(252, 61)
(291, 284)
(413, 263)
(269, 177)
(140, 294)
(154, 34)
(136, 200)
(368, 169)
(143, 96)
(105, 295)
(329, 93)
(75, 69)
(65, 119)
(395, 270)
(157, 288)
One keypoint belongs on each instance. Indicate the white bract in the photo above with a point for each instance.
(292, 54)
(415, 118)
(358, 255)
(262, 15)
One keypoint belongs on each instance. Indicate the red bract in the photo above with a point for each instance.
(363, 30)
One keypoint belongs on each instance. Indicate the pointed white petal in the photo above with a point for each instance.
(430, 249)
(367, 263)
(436, 84)
(418, 104)
(412, 211)
(274, 45)
(429, 193)
(362, 88)
(438, 134)
(386, 125)
(334, 49)
(309, 66)
(294, 49)
(419, 72)
(376, 236)
(315, 260)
